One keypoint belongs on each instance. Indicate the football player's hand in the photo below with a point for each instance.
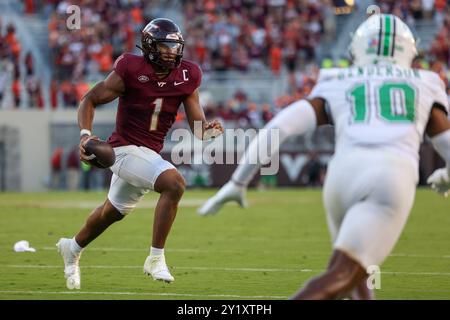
(440, 181)
(83, 140)
(212, 129)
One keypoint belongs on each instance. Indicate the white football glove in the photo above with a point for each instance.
(440, 181)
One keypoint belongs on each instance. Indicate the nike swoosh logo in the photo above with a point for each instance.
(177, 83)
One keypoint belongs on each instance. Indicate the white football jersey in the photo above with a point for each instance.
(380, 106)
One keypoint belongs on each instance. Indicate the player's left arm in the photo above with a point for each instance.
(438, 129)
(197, 121)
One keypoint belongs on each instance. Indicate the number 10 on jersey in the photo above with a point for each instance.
(394, 102)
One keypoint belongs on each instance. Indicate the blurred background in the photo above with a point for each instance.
(257, 56)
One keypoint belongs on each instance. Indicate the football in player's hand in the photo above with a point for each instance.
(100, 153)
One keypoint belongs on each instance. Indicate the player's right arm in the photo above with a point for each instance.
(103, 92)
(298, 118)
(438, 129)
(318, 105)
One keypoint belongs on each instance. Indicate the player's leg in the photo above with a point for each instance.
(379, 200)
(366, 237)
(340, 265)
(97, 222)
(144, 169)
(341, 277)
(170, 184)
(295, 119)
(361, 291)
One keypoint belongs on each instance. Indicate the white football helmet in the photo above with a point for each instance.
(383, 38)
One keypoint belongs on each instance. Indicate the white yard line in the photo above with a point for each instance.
(28, 266)
(133, 249)
(140, 294)
(396, 255)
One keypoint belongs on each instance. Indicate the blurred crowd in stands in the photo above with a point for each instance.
(239, 35)
(270, 37)
(250, 35)
(17, 72)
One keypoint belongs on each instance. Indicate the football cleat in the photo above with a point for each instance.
(156, 267)
(71, 268)
(229, 192)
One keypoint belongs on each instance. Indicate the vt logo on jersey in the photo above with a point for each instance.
(143, 78)
(161, 84)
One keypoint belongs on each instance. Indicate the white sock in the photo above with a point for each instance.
(75, 247)
(156, 251)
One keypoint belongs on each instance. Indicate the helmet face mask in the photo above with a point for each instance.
(162, 43)
(383, 38)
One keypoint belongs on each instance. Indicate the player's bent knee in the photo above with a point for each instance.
(177, 187)
(171, 182)
(346, 269)
(111, 212)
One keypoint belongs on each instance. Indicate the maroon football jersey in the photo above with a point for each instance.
(149, 106)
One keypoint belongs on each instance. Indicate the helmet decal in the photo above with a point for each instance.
(383, 38)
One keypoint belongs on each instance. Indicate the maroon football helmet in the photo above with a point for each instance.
(162, 43)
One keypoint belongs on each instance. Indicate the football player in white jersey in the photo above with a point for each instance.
(380, 108)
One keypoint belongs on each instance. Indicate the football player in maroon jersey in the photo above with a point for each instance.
(150, 88)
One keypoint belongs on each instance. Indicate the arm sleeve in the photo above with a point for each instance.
(296, 119)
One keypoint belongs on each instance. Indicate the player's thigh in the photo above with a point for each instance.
(335, 182)
(372, 226)
(123, 195)
(139, 166)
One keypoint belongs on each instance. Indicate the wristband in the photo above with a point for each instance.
(85, 131)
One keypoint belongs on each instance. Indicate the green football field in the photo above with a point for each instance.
(264, 252)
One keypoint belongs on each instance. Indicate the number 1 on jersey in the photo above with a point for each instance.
(155, 114)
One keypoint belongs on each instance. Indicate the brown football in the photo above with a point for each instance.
(101, 153)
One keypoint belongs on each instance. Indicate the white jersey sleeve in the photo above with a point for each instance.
(325, 87)
(437, 88)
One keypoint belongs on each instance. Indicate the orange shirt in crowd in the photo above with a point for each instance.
(10, 38)
(201, 51)
(275, 59)
(16, 88)
(54, 94)
(440, 5)
(81, 88)
(136, 15)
